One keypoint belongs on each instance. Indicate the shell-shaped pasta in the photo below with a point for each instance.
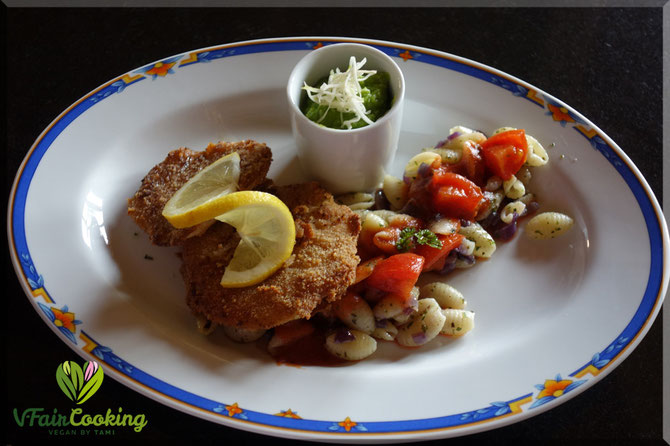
(391, 306)
(395, 190)
(449, 156)
(507, 213)
(502, 129)
(456, 143)
(537, 154)
(444, 294)
(494, 199)
(485, 246)
(384, 214)
(243, 335)
(524, 175)
(408, 314)
(527, 199)
(404, 317)
(548, 225)
(457, 322)
(388, 307)
(493, 183)
(373, 223)
(412, 167)
(357, 200)
(514, 188)
(385, 330)
(467, 247)
(359, 317)
(424, 326)
(461, 129)
(444, 226)
(356, 347)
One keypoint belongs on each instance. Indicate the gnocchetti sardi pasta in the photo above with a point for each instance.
(548, 225)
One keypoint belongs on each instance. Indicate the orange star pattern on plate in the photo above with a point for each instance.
(64, 319)
(288, 414)
(406, 55)
(160, 69)
(554, 388)
(347, 424)
(233, 410)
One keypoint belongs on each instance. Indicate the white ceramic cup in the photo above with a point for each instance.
(345, 160)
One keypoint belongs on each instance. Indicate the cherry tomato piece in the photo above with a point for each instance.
(433, 256)
(455, 196)
(397, 274)
(505, 153)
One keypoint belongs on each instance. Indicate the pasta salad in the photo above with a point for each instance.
(453, 204)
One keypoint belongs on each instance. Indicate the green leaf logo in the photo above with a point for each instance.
(77, 383)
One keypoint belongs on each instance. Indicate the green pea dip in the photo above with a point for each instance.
(377, 98)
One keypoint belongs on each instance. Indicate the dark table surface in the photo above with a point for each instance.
(605, 62)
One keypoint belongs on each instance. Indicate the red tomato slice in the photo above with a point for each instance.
(471, 165)
(397, 274)
(455, 196)
(432, 255)
(505, 153)
(364, 269)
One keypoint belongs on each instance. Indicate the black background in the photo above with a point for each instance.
(605, 62)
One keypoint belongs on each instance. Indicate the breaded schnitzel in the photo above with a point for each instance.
(322, 266)
(146, 206)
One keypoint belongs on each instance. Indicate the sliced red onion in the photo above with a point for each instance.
(412, 305)
(419, 338)
(507, 231)
(461, 251)
(343, 335)
(449, 263)
(381, 323)
(532, 207)
(468, 259)
(453, 135)
(449, 138)
(425, 171)
(490, 221)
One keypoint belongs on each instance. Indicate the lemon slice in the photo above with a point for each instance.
(267, 231)
(197, 200)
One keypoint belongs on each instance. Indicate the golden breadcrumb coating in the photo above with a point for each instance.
(180, 165)
(321, 267)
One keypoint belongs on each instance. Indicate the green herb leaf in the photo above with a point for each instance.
(428, 237)
(409, 237)
(405, 240)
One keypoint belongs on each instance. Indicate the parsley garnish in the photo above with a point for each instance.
(409, 237)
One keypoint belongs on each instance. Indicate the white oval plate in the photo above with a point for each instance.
(553, 317)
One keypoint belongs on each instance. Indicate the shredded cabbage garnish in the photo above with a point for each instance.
(343, 92)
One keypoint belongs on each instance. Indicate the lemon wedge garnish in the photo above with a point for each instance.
(267, 232)
(198, 200)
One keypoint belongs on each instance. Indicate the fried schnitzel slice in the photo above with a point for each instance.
(164, 179)
(321, 267)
